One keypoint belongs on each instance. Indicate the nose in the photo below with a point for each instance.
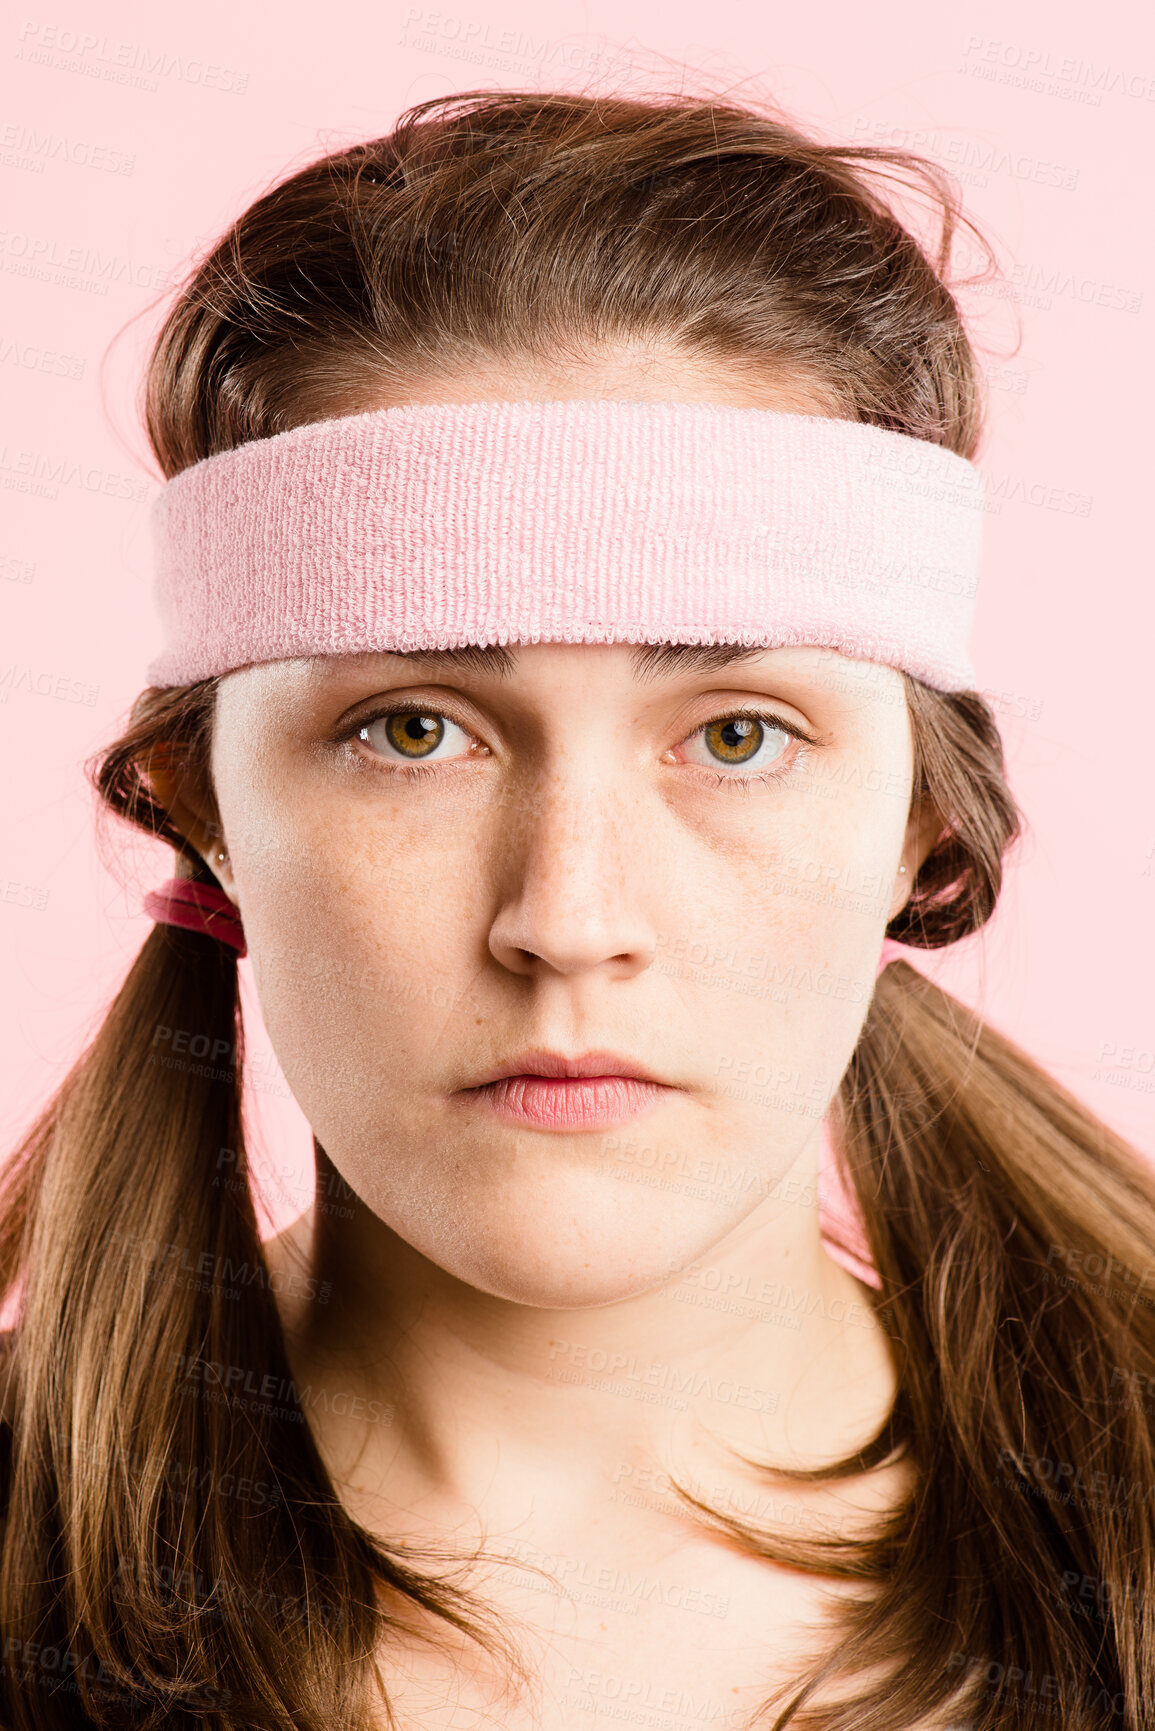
(576, 873)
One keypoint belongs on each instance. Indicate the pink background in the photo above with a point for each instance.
(134, 134)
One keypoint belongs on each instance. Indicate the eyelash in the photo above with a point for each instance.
(745, 782)
(410, 771)
(419, 771)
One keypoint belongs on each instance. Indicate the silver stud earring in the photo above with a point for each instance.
(901, 868)
(222, 856)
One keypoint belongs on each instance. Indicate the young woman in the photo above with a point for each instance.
(554, 710)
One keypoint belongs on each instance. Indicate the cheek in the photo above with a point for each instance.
(777, 944)
(365, 938)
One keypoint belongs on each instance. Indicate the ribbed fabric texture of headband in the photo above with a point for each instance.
(438, 525)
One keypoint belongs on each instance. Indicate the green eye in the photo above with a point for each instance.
(734, 740)
(414, 735)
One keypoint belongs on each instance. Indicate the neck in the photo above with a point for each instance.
(462, 1401)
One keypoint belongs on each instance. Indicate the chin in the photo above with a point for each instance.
(576, 1282)
(571, 1249)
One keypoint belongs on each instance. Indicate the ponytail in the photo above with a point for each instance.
(148, 1373)
(1013, 1237)
(1028, 1548)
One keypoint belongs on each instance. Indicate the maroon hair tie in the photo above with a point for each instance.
(198, 908)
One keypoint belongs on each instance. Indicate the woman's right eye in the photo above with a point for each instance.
(415, 736)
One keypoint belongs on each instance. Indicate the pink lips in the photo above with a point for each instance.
(550, 1092)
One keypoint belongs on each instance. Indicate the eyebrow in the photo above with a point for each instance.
(650, 660)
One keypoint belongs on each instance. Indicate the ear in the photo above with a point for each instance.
(192, 809)
(922, 832)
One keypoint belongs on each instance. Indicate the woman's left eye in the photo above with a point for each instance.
(415, 736)
(738, 743)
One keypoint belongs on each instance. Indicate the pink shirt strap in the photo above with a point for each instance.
(198, 908)
(891, 952)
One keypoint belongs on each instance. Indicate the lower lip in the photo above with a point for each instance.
(567, 1102)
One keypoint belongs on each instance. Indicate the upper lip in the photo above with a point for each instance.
(542, 1063)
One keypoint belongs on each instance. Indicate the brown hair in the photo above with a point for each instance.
(519, 225)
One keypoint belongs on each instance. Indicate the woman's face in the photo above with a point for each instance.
(444, 863)
(686, 860)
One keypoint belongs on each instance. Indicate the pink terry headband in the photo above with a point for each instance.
(439, 525)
